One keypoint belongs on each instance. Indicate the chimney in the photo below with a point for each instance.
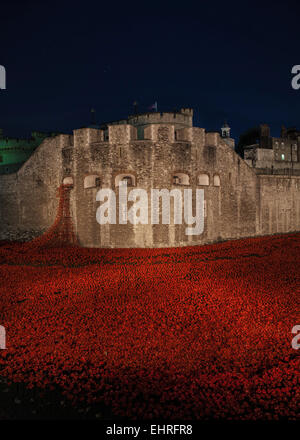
(283, 131)
(265, 136)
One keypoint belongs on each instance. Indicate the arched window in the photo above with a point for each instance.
(68, 181)
(92, 181)
(129, 179)
(181, 179)
(217, 180)
(203, 179)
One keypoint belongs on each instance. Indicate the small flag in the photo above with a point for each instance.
(93, 120)
(153, 106)
(135, 107)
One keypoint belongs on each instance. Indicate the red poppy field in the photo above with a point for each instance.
(189, 333)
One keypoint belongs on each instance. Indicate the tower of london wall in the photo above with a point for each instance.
(238, 203)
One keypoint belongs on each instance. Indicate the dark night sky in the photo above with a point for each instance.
(226, 60)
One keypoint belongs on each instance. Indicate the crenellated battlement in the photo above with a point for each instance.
(154, 132)
(85, 136)
(65, 140)
(121, 134)
(212, 139)
(161, 133)
(181, 119)
(191, 134)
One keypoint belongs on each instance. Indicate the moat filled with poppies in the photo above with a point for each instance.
(197, 333)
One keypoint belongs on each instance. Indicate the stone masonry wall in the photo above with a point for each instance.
(28, 198)
(243, 205)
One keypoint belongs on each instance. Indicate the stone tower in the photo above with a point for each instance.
(225, 135)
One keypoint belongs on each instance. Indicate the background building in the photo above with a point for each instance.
(15, 151)
(271, 155)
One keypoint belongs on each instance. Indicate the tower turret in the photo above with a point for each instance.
(225, 135)
(225, 130)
